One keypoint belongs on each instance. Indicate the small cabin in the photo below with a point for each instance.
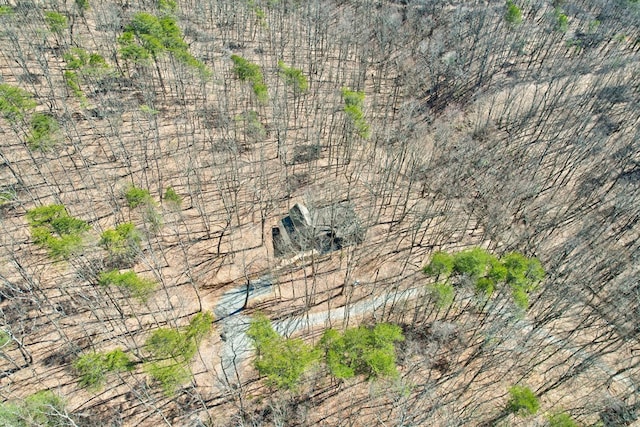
(324, 229)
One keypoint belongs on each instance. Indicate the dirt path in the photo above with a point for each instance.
(237, 348)
(234, 325)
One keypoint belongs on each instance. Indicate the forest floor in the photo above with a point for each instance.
(509, 162)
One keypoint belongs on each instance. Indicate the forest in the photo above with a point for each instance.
(319, 213)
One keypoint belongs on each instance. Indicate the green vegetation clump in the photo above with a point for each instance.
(200, 326)
(122, 243)
(441, 265)
(169, 375)
(293, 77)
(5, 338)
(151, 34)
(520, 273)
(93, 368)
(562, 21)
(82, 5)
(43, 408)
(261, 332)
(168, 5)
(130, 50)
(7, 195)
(180, 346)
(80, 59)
(261, 92)
(171, 196)
(520, 297)
(472, 262)
(148, 36)
(129, 281)
(140, 197)
(72, 80)
(443, 294)
(148, 110)
(561, 420)
(362, 351)
(247, 71)
(522, 401)
(81, 66)
(54, 229)
(15, 103)
(497, 270)
(166, 343)
(281, 360)
(513, 15)
(485, 286)
(6, 10)
(56, 22)
(137, 196)
(44, 132)
(121, 238)
(171, 351)
(353, 104)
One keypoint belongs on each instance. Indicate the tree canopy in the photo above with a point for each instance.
(54, 229)
(362, 351)
(522, 401)
(281, 360)
(487, 272)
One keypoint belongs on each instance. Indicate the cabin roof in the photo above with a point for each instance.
(324, 229)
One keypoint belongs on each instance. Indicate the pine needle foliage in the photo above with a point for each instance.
(148, 36)
(293, 77)
(171, 196)
(56, 22)
(172, 350)
(561, 420)
(522, 401)
(249, 72)
(442, 294)
(281, 360)
(129, 281)
(6, 10)
(513, 14)
(93, 368)
(362, 351)
(441, 265)
(168, 375)
(54, 229)
(353, 105)
(43, 408)
(44, 132)
(137, 196)
(122, 243)
(522, 275)
(15, 102)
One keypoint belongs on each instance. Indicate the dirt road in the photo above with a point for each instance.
(237, 347)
